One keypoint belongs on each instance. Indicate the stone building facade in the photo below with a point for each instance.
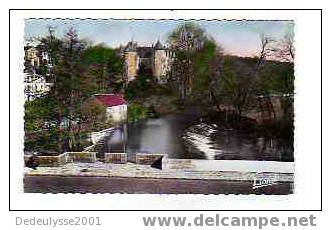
(35, 56)
(35, 86)
(36, 82)
(131, 65)
(156, 58)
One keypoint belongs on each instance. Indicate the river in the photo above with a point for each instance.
(186, 135)
(181, 135)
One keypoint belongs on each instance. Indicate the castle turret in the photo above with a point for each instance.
(159, 46)
(130, 61)
(161, 62)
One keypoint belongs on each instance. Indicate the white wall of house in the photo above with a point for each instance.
(117, 113)
(35, 86)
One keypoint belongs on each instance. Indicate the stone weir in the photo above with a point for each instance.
(97, 136)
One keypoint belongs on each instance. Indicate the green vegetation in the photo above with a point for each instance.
(137, 111)
(236, 90)
(61, 120)
(200, 74)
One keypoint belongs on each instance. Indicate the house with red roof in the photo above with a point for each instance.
(116, 106)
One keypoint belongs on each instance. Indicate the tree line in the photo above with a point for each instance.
(200, 73)
(77, 70)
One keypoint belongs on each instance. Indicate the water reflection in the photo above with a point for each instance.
(216, 142)
(161, 135)
(175, 135)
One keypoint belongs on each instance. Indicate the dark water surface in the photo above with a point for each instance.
(182, 135)
(186, 135)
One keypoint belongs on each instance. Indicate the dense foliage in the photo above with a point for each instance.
(77, 71)
(200, 74)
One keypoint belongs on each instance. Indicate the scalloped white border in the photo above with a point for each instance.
(307, 122)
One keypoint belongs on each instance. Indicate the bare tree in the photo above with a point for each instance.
(247, 92)
(284, 50)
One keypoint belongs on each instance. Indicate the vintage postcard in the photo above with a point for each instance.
(159, 106)
(117, 109)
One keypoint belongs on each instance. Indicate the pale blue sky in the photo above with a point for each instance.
(236, 37)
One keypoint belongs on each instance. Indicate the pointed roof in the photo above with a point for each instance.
(131, 47)
(158, 45)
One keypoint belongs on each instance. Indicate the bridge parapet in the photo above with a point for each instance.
(87, 157)
(148, 158)
(116, 158)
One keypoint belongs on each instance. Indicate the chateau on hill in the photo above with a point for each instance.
(156, 58)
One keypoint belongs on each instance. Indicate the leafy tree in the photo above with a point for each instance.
(38, 109)
(67, 89)
(106, 66)
(137, 111)
(277, 78)
(185, 41)
(53, 46)
(207, 66)
(93, 112)
(77, 71)
(235, 80)
(40, 132)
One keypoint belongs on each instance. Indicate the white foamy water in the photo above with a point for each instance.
(97, 136)
(203, 142)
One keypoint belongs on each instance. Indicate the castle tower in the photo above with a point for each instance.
(130, 61)
(161, 62)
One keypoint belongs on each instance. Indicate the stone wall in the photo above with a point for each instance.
(116, 158)
(50, 161)
(148, 158)
(88, 157)
(68, 157)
